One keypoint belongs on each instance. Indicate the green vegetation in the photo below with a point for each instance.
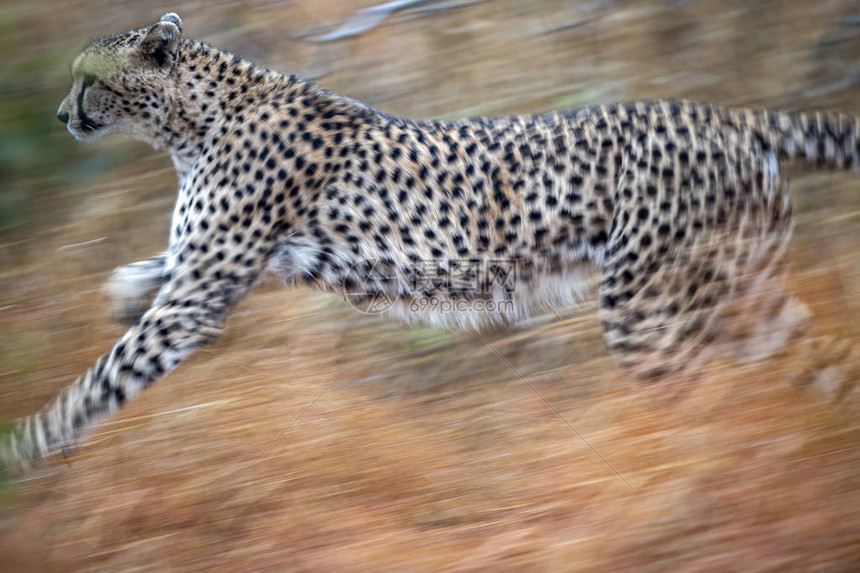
(35, 151)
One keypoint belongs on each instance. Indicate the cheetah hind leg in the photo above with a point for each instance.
(660, 311)
(669, 287)
(762, 318)
(721, 289)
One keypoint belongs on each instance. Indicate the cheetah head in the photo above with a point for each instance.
(124, 83)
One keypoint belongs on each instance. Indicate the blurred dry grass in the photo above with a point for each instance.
(429, 453)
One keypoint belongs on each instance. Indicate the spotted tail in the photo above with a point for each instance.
(825, 140)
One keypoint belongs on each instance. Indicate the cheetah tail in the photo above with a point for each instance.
(820, 139)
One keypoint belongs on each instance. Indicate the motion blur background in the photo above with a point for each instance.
(429, 453)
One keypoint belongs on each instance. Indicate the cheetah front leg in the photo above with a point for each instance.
(131, 288)
(189, 312)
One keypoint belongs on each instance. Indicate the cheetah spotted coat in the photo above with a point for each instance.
(683, 206)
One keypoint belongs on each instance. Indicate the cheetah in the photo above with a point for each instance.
(684, 207)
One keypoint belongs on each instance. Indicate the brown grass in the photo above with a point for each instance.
(430, 453)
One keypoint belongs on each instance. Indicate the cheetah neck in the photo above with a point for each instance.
(213, 89)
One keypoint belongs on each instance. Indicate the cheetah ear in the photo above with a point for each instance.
(162, 39)
(174, 19)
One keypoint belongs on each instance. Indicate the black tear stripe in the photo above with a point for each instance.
(86, 123)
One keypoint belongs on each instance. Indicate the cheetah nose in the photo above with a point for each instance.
(63, 116)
